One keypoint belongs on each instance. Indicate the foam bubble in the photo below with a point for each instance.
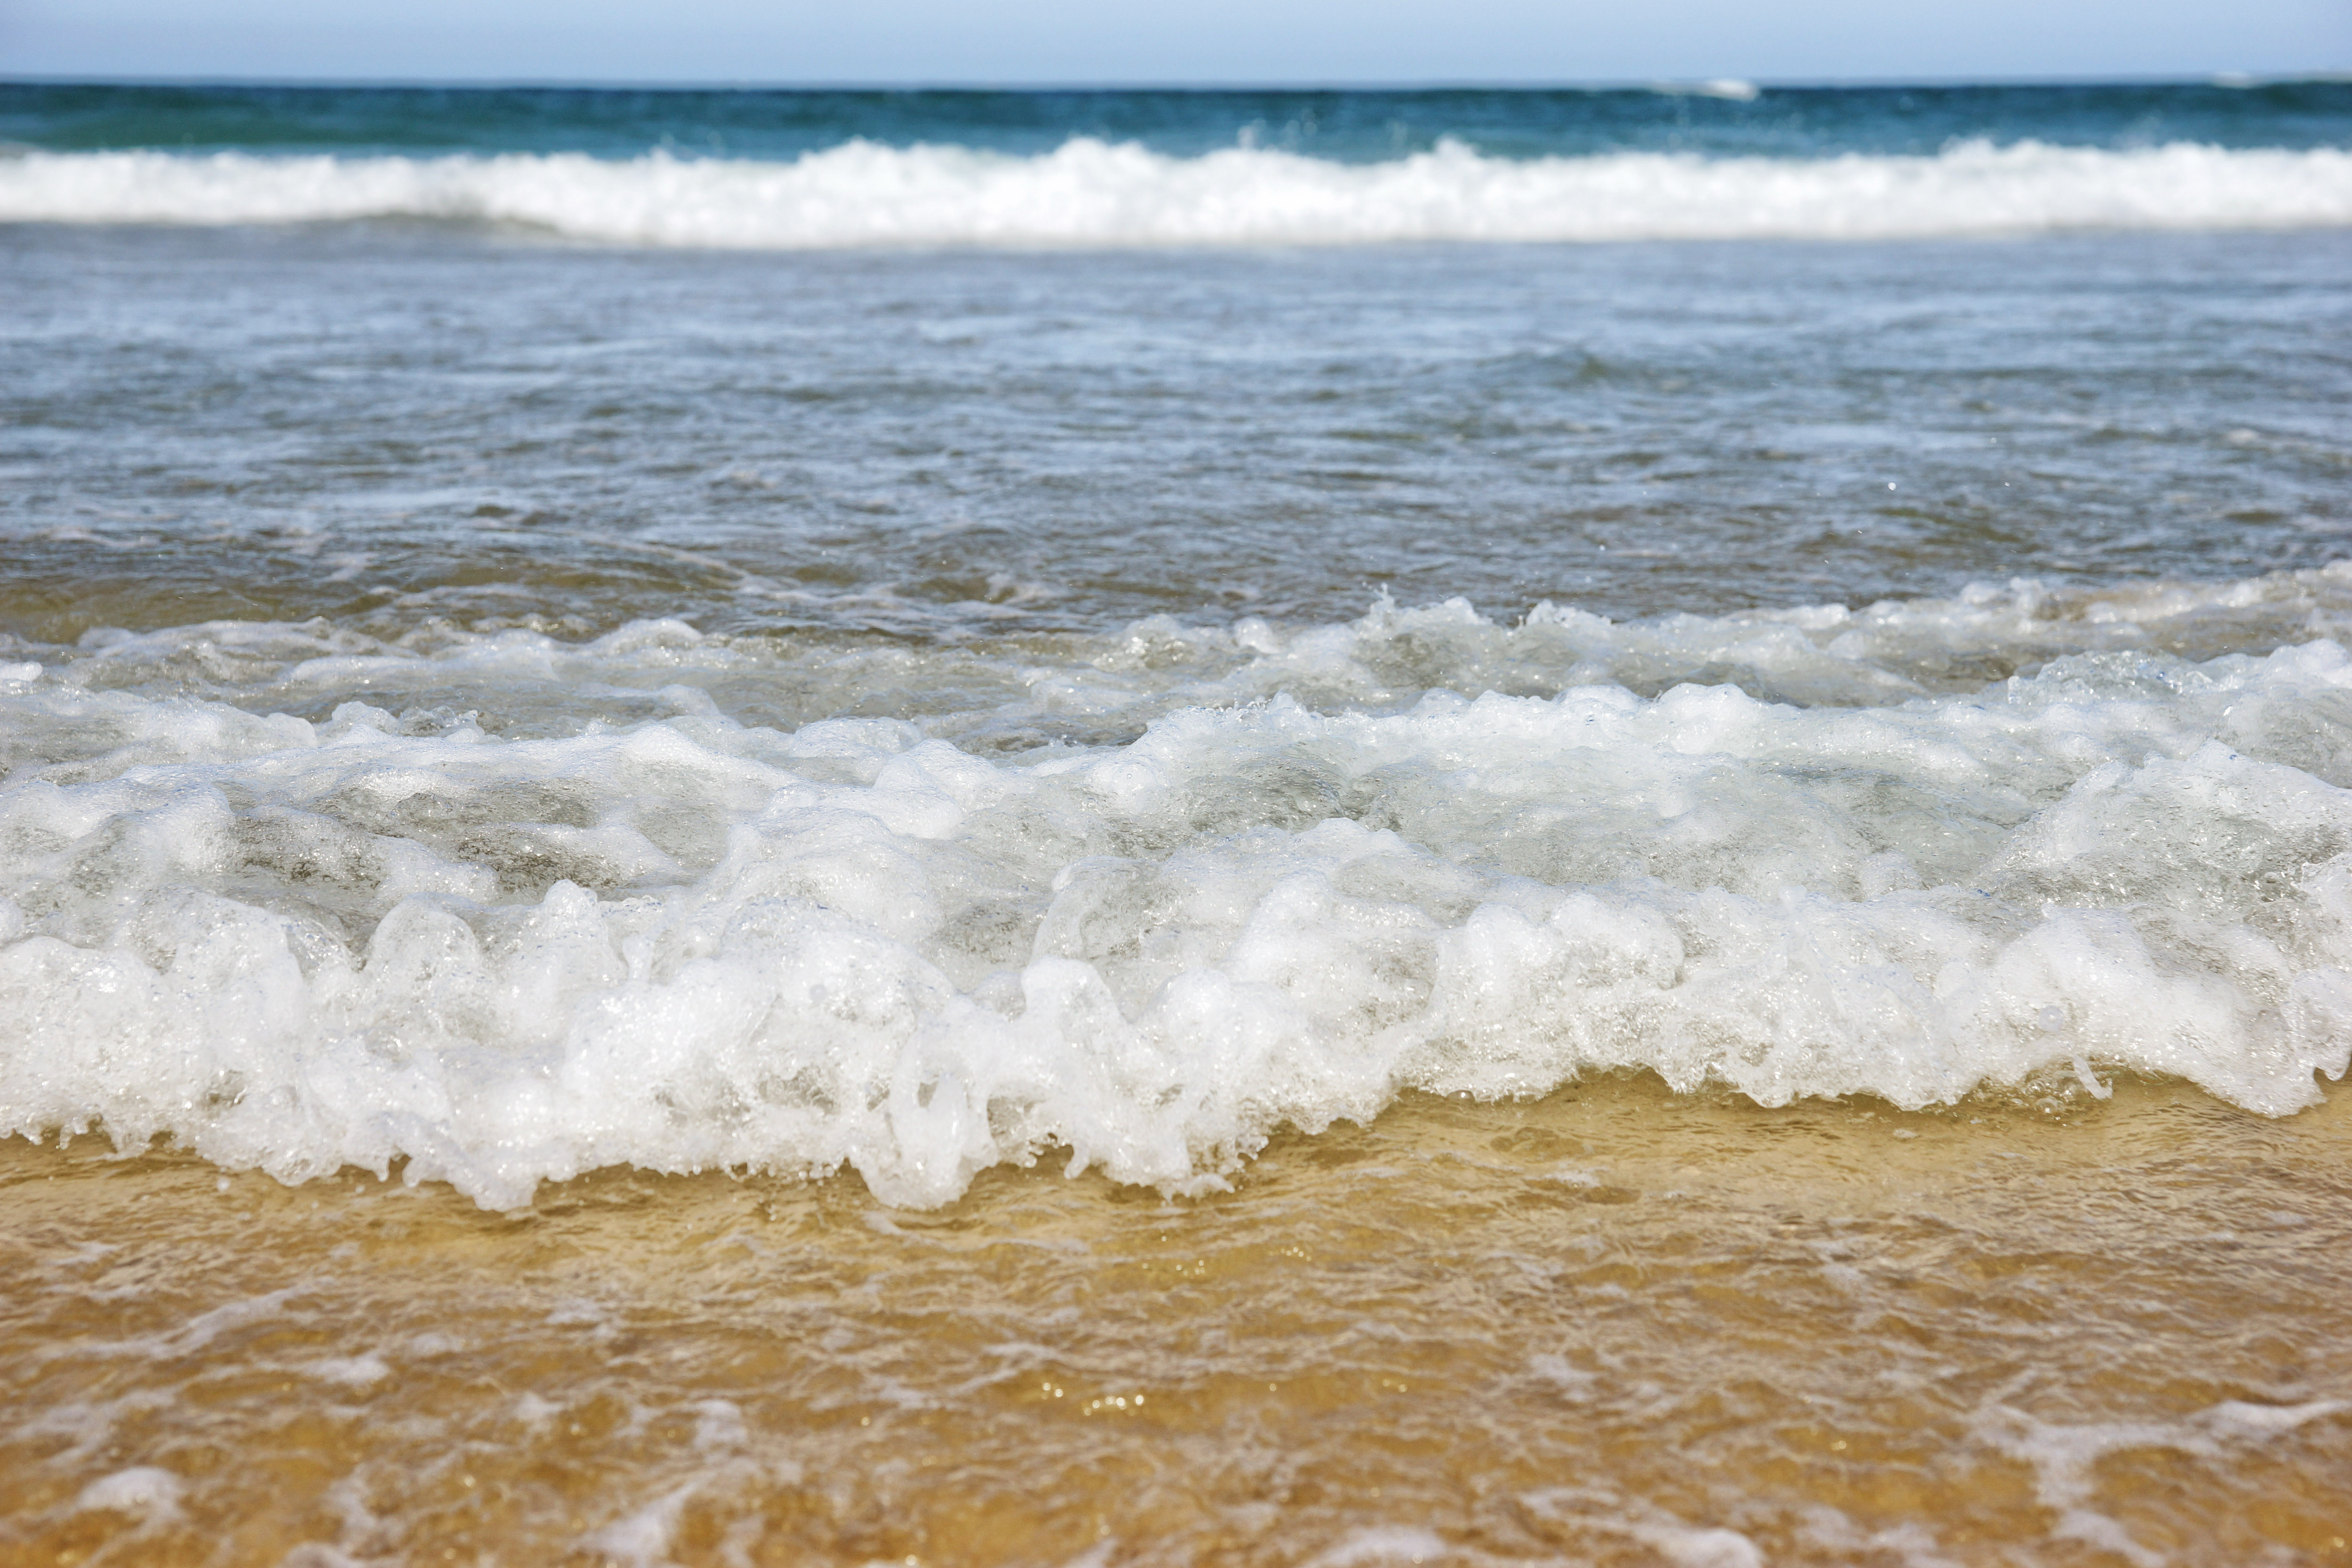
(145, 1490)
(359, 1371)
(1091, 193)
(1599, 1515)
(1380, 1546)
(642, 1539)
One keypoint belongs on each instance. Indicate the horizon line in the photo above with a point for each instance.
(1695, 86)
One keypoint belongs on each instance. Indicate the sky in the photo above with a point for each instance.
(1197, 41)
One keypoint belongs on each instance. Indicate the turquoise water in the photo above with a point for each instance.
(1350, 126)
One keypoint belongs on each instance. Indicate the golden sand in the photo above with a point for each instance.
(1615, 1326)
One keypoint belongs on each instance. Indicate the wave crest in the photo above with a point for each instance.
(1089, 193)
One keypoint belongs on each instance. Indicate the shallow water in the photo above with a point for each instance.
(387, 427)
(1613, 1326)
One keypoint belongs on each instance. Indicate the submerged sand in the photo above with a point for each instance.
(1613, 1326)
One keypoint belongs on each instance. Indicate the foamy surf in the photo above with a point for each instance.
(507, 950)
(1089, 193)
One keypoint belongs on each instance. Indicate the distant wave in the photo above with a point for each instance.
(1089, 193)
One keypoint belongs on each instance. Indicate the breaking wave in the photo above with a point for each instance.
(1093, 194)
(512, 948)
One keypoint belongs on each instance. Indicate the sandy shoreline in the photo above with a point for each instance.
(1613, 1326)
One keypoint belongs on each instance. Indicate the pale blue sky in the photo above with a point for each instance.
(1036, 41)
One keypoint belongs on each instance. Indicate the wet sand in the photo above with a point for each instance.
(1613, 1326)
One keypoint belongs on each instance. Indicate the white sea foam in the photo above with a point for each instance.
(1089, 193)
(550, 931)
(145, 1490)
(1599, 1514)
(2064, 1458)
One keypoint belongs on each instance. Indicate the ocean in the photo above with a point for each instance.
(1120, 827)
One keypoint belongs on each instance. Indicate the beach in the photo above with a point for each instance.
(1086, 829)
